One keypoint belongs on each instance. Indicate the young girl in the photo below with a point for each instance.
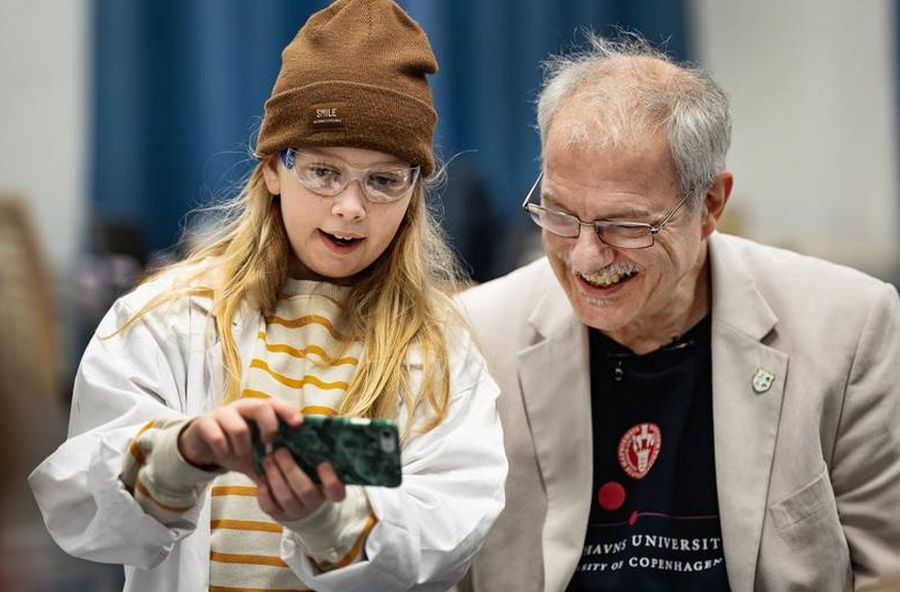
(325, 293)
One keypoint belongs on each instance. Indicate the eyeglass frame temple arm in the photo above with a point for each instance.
(659, 226)
(531, 191)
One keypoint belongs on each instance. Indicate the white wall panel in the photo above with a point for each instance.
(812, 84)
(44, 150)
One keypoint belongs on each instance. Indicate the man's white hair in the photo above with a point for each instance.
(626, 91)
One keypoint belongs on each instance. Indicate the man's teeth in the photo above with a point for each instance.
(604, 280)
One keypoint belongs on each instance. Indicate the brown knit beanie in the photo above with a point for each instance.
(355, 76)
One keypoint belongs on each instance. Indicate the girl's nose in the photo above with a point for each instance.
(350, 203)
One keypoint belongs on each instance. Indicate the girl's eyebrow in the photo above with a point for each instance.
(393, 162)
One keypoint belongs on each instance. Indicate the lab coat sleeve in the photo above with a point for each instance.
(429, 528)
(123, 382)
(162, 481)
(334, 535)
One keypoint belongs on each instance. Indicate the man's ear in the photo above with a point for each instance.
(714, 201)
(270, 175)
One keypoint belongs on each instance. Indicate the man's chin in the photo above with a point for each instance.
(606, 317)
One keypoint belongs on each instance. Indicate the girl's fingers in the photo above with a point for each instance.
(287, 411)
(208, 431)
(288, 504)
(332, 487)
(266, 420)
(301, 486)
(237, 431)
(266, 501)
(266, 412)
(247, 466)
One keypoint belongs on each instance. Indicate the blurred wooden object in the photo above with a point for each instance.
(32, 422)
(28, 330)
(27, 320)
(29, 363)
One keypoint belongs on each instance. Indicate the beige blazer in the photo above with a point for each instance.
(807, 472)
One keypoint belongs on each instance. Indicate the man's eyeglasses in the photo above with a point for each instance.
(622, 235)
(328, 176)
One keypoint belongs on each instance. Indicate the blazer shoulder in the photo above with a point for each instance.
(780, 271)
(499, 311)
(511, 295)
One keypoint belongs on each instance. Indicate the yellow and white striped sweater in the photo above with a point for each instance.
(304, 357)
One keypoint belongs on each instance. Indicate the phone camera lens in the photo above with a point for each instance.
(387, 441)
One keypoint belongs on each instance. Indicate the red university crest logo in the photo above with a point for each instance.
(638, 449)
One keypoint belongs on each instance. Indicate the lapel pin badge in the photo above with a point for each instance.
(762, 380)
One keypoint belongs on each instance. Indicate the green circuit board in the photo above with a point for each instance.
(362, 451)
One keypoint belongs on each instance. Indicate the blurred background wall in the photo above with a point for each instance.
(815, 98)
(117, 117)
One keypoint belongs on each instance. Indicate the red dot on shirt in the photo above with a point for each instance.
(611, 495)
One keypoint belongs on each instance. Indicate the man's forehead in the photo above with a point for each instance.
(588, 134)
(608, 171)
(595, 198)
(574, 158)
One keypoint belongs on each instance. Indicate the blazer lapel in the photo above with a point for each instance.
(748, 383)
(554, 375)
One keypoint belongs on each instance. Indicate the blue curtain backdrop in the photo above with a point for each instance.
(180, 87)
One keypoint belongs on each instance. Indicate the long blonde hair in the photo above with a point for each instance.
(401, 302)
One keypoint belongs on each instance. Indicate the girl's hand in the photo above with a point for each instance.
(287, 493)
(222, 436)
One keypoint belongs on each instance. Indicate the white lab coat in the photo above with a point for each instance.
(169, 364)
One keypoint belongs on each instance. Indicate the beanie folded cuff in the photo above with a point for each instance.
(352, 114)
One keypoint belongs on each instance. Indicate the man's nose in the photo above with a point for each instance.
(589, 253)
(350, 203)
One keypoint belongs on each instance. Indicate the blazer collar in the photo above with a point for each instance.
(552, 312)
(737, 301)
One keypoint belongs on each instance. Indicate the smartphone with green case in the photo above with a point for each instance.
(362, 451)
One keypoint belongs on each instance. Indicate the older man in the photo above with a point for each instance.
(684, 410)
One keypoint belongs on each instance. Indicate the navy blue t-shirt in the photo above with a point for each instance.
(654, 521)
